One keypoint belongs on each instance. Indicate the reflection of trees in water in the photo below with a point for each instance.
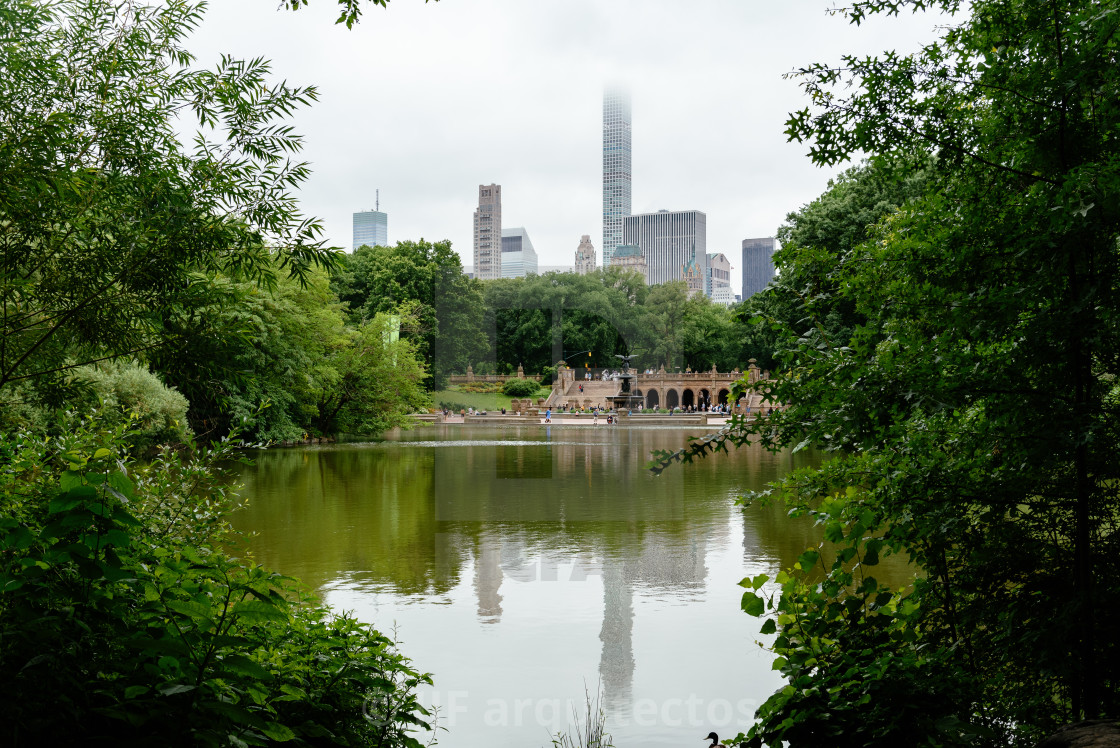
(388, 514)
(365, 513)
(411, 517)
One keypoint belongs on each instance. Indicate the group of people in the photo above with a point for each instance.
(606, 375)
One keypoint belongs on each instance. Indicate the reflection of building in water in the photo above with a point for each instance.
(662, 565)
(488, 578)
(616, 664)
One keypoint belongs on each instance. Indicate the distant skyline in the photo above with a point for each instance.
(400, 108)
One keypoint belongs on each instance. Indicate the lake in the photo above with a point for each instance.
(522, 564)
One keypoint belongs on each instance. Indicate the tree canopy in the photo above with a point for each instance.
(109, 225)
(955, 348)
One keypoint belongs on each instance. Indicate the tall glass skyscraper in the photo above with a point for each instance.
(616, 169)
(371, 228)
(758, 264)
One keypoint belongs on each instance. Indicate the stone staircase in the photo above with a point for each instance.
(594, 392)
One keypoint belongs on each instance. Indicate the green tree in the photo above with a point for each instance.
(378, 380)
(447, 324)
(292, 348)
(969, 397)
(109, 225)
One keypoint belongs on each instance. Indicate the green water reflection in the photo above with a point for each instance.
(521, 562)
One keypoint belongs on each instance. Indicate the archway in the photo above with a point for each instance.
(671, 399)
(704, 398)
(687, 399)
(652, 400)
(724, 394)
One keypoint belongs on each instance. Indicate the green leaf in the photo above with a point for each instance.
(753, 605)
(808, 559)
(173, 689)
(768, 626)
(242, 665)
(259, 610)
(278, 732)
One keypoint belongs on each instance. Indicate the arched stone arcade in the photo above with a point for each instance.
(672, 400)
(688, 400)
(652, 399)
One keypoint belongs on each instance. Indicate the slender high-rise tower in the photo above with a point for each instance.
(488, 232)
(616, 168)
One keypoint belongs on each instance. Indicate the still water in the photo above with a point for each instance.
(522, 564)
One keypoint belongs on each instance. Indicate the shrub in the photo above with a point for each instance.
(121, 620)
(128, 392)
(482, 387)
(521, 387)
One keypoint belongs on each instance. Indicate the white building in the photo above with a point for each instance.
(518, 256)
(668, 241)
(723, 295)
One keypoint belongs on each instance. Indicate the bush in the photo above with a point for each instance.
(121, 620)
(482, 387)
(521, 387)
(129, 393)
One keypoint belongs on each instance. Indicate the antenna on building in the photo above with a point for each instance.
(377, 200)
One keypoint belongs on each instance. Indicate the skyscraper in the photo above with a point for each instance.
(371, 229)
(758, 264)
(488, 233)
(668, 241)
(518, 256)
(616, 169)
(585, 255)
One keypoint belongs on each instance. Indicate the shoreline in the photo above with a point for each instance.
(570, 419)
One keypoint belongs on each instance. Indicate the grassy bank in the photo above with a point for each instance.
(476, 400)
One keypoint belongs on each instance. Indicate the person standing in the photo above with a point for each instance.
(548, 415)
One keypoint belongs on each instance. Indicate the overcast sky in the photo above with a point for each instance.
(427, 101)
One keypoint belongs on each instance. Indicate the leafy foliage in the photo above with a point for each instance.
(960, 361)
(350, 11)
(122, 621)
(447, 311)
(293, 348)
(129, 393)
(521, 387)
(110, 226)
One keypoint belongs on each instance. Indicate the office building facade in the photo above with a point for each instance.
(518, 256)
(668, 241)
(488, 233)
(585, 255)
(371, 229)
(616, 169)
(758, 264)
